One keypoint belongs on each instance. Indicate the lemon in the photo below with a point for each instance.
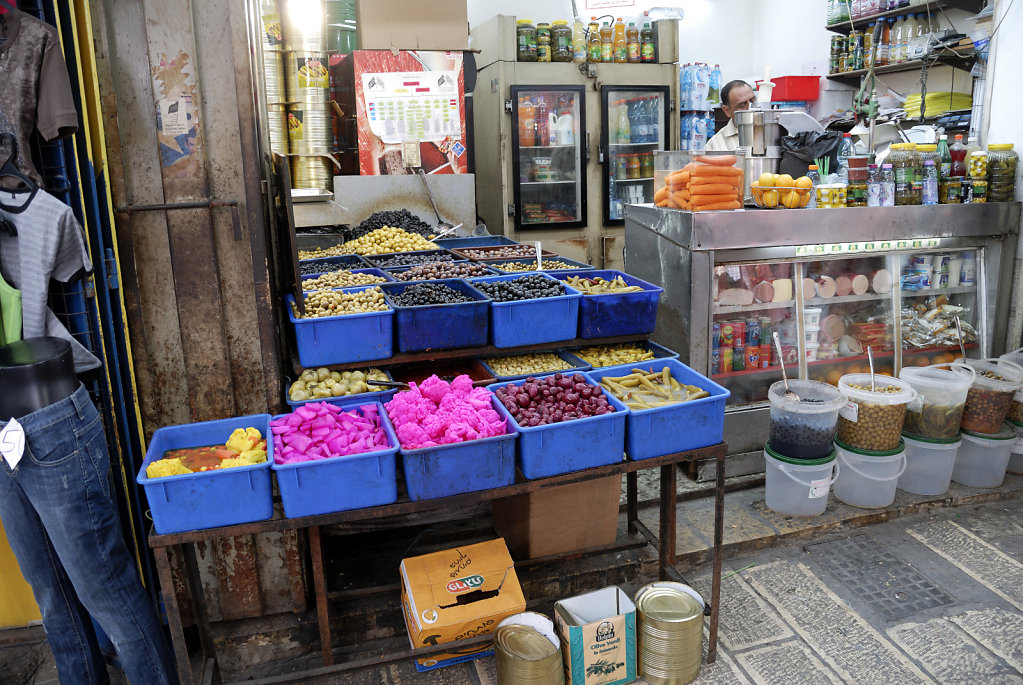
(766, 180)
(783, 181)
(804, 182)
(771, 198)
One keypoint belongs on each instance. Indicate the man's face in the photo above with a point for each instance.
(738, 98)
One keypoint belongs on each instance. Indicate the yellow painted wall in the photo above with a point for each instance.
(17, 606)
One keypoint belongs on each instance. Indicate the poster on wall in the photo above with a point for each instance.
(605, 4)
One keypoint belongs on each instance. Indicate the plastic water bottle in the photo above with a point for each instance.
(714, 91)
(710, 125)
(685, 133)
(701, 86)
(686, 89)
(873, 187)
(845, 151)
(815, 178)
(887, 186)
(930, 189)
(699, 133)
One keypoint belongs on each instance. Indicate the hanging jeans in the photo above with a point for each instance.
(60, 517)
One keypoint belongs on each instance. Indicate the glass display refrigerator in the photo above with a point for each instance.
(635, 127)
(832, 284)
(548, 156)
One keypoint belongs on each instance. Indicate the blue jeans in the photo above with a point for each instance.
(59, 514)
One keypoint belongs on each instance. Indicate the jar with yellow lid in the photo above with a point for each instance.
(525, 36)
(902, 165)
(543, 42)
(916, 160)
(561, 41)
(977, 168)
(1001, 172)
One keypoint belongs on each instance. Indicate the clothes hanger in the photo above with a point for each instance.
(9, 170)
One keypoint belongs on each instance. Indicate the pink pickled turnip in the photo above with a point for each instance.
(320, 430)
(439, 413)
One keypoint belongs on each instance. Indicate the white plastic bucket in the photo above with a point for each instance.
(983, 458)
(929, 465)
(1016, 458)
(941, 393)
(869, 479)
(795, 487)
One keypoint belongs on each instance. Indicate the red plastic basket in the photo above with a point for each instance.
(795, 88)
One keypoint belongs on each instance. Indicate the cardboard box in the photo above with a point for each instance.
(455, 594)
(560, 519)
(412, 24)
(598, 637)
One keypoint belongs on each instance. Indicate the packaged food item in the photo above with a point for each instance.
(561, 41)
(525, 34)
(543, 42)
(1001, 172)
(872, 418)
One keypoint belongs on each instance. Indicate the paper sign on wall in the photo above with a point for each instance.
(174, 117)
(603, 4)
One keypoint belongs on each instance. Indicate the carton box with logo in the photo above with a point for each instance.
(598, 637)
(456, 594)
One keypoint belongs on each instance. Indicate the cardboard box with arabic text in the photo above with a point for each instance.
(456, 594)
(598, 637)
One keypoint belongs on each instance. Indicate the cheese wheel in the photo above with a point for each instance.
(826, 286)
(881, 281)
(860, 284)
(782, 289)
(739, 296)
(763, 292)
(843, 286)
(809, 289)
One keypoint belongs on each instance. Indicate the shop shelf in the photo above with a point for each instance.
(569, 445)
(445, 369)
(496, 265)
(530, 322)
(343, 339)
(756, 306)
(575, 365)
(446, 470)
(655, 432)
(380, 260)
(473, 241)
(972, 6)
(960, 59)
(353, 481)
(660, 352)
(791, 369)
(617, 313)
(441, 326)
(372, 271)
(378, 396)
(208, 499)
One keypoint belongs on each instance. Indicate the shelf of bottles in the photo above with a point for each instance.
(548, 156)
(699, 93)
(636, 129)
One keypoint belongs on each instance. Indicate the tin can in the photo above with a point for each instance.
(273, 76)
(527, 651)
(715, 336)
(725, 360)
(727, 334)
(753, 344)
(715, 360)
(309, 129)
(765, 342)
(272, 36)
(305, 25)
(307, 77)
(669, 633)
(308, 172)
(277, 120)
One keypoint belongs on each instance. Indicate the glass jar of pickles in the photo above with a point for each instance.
(950, 191)
(1001, 172)
(916, 160)
(525, 36)
(977, 168)
(902, 163)
(561, 41)
(543, 42)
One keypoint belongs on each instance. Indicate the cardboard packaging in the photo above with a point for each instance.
(458, 593)
(560, 519)
(434, 25)
(598, 637)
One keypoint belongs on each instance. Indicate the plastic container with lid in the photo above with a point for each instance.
(1015, 415)
(804, 429)
(929, 151)
(872, 419)
(929, 465)
(867, 478)
(984, 457)
(942, 396)
(525, 38)
(543, 42)
(904, 161)
(991, 394)
(798, 487)
(561, 41)
(1001, 172)
(977, 167)
(1016, 458)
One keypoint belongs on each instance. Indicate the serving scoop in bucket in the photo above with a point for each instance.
(789, 395)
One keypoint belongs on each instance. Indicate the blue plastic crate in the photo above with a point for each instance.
(354, 481)
(603, 316)
(395, 270)
(379, 260)
(530, 322)
(675, 427)
(378, 396)
(446, 470)
(347, 261)
(369, 270)
(343, 339)
(441, 326)
(474, 241)
(577, 265)
(568, 446)
(208, 499)
(660, 352)
(576, 365)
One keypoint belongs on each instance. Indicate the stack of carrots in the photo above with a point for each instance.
(708, 183)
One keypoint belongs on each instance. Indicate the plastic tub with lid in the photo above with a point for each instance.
(1015, 415)
(868, 478)
(1016, 458)
(984, 457)
(989, 398)
(804, 429)
(941, 392)
(929, 465)
(798, 487)
(872, 419)
(812, 317)
(1001, 172)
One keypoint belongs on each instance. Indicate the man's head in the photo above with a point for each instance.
(736, 95)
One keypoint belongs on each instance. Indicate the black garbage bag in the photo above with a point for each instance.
(798, 152)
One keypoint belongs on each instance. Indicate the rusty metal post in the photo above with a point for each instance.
(631, 500)
(719, 530)
(170, 602)
(666, 546)
(320, 582)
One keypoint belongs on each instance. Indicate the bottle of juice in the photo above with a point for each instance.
(946, 158)
(543, 131)
(578, 41)
(527, 123)
(884, 44)
(621, 46)
(607, 48)
(958, 154)
(593, 41)
(648, 48)
(624, 125)
(632, 43)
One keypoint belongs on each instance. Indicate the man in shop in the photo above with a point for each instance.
(735, 96)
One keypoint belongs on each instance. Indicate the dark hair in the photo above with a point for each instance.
(726, 92)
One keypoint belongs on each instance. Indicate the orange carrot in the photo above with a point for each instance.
(662, 203)
(678, 182)
(717, 160)
(680, 197)
(661, 194)
(671, 203)
(707, 170)
(712, 199)
(734, 204)
(713, 188)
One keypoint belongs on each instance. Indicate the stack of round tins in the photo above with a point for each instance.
(670, 633)
(528, 651)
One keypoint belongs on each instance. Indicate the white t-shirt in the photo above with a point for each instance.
(725, 140)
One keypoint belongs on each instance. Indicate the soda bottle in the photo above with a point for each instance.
(958, 154)
(873, 187)
(930, 189)
(815, 179)
(621, 47)
(593, 41)
(543, 136)
(527, 123)
(946, 158)
(714, 87)
(632, 45)
(883, 44)
(844, 153)
(648, 48)
(887, 186)
(606, 43)
(578, 41)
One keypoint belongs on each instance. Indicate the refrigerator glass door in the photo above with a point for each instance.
(547, 156)
(635, 126)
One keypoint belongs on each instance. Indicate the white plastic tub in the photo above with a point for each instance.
(811, 335)
(812, 317)
(941, 389)
(872, 419)
(869, 479)
(984, 457)
(795, 487)
(929, 465)
(989, 399)
(1016, 458)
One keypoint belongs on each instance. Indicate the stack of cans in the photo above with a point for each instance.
(669, 632)
(741, 345)
(272, 42)
(527, 651)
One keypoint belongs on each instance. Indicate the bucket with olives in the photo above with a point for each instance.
(872, 417)
(1015, 415)
(991, 395)
(941, 391)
